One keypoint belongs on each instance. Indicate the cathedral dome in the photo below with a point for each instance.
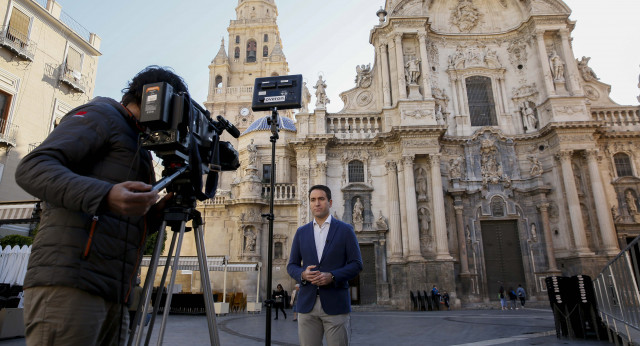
(262, 125)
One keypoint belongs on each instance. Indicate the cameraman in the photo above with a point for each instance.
(94, 178)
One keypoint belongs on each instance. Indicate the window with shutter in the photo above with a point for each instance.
(480, 98)
(18, 26)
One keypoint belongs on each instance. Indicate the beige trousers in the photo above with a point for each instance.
(314, 325)
(57, 315)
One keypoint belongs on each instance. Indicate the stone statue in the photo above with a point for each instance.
(412, 71)
(534, 234)
(439, 115)
(424, 219)
(614, 213)
(321, 96)
(536, 166)
(632, 207)
(381, 223)
(357, 211)
(557, 66)
(306, 97)
(587, 72)
(253, 153)
(363, 75)
(421, 183)
(529, 118)
(250, 241)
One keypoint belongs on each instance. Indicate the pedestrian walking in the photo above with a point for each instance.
(503, 299)
(522, 295)
(512, 298)
(294, 301)
(279, 296)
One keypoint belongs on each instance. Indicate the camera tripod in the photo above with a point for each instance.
(176, 217)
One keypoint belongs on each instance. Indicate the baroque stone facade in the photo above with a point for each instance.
(476, 151)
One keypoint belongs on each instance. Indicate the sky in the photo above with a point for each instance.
(328, 37)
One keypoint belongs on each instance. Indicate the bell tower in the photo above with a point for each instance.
(254, 50)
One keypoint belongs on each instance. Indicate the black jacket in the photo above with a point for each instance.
(80, 243)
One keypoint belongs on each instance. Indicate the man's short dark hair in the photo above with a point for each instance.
(151, 74)
(324, 188)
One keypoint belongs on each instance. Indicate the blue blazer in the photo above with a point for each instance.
(341, 257)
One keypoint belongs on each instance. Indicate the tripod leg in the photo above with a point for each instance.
(167, 304)
(206, 286)
(136, 333)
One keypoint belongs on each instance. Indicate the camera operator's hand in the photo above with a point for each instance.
(131, 198)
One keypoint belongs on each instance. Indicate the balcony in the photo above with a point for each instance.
(18, 43)
(74, 79)
(7, 134)
(33, 146)
(283, 192)
(354, 126)
(231, 93)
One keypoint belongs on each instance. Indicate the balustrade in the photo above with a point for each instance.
(354, 126)
(618, 116)
(282, 191)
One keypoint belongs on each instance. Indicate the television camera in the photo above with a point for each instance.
(187, 139)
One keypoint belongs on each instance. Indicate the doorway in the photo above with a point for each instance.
(502, 256)
(363, 286)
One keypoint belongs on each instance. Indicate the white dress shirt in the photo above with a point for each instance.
(320, 233)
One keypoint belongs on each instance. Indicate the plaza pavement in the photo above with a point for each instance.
(457, 327)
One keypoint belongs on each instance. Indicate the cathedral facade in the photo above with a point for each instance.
(476, 151)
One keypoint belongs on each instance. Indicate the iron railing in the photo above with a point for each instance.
(8, 133)
(618, 295)
(17, 42)
(73, 78)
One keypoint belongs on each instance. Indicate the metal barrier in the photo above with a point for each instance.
(618, 296)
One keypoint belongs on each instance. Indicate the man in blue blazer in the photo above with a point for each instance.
(325, 255)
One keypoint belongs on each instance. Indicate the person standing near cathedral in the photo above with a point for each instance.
(522, 295)
(329, 250)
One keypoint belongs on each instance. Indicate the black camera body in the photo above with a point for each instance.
(182, 133)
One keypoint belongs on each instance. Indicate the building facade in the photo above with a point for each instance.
(475, 152)
(48, 66)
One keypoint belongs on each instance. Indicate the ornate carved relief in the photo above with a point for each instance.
(465, 15)
(364, 98)
(469, 57)
(418, 113)
(518, 53)
(591, 93)
(536, 167)
(455, 168)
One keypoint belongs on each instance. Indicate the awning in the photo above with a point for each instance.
(215, 263)
(16, 212)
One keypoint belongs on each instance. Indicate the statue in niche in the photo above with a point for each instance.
(250, 241)
(534, 234)
(587, 72)
(421, 184)
(321, 95)
(439, 115)
(468, 235)
(253, 153)
(557, 66)
(306, 97)
(529, 118)
(412, 71)
(423, 217)
(455, 171)
(632, 205)
(381, 223)
(357, 212)
(536, 166)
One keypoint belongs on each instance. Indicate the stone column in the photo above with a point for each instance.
(548, 240)
(402, 82)
(462, 98)
(544, 63)
(462, 243)
(412, 210)
(403, 212)
(395, 235)
(384, 71)
(605, 221)
(572, 68)
(426, 69)
(440, 223)
(575, 212)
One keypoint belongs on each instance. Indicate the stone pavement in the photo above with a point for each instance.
(456, 327)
